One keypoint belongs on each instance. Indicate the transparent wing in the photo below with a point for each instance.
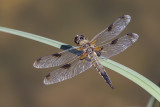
(113, 30)
(57, 58)
(118, 45)
(67, 71)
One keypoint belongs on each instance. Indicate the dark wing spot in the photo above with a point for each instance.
(130, 34)
(110, 27)
(122, 17)
(56, 54)
(66, 66)
(48, 76)
(114, 42)
(39, 59)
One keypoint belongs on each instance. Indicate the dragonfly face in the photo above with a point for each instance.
(78, 59)
(78, 39)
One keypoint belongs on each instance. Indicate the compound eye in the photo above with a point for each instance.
(76, 39)
(81, 37)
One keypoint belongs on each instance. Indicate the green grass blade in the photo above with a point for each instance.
(152, 100)
(143, 82)
(33, 37)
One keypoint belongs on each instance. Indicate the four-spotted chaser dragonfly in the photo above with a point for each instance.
(78, 59)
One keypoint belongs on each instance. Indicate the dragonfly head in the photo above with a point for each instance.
(78, 39)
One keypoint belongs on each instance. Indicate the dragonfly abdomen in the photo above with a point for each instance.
(100, 69)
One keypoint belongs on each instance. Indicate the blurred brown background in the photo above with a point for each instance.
(21, 85)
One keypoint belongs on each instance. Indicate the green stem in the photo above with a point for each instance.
(137, 78)
(152, 100)
(33, 37)
(143, 82)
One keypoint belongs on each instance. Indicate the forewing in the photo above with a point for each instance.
(67, 71)
(57, 58)
(113, 30)
(118, 45)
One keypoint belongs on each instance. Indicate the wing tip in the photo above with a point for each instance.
(35, 65)
(46, 82)
(134, 36)
(126, 17)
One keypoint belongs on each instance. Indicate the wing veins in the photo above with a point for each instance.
(113, 30)
(57, 59)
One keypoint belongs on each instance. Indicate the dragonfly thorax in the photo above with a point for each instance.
(89, 50)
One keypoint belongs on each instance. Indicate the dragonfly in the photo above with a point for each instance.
(86, 54)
